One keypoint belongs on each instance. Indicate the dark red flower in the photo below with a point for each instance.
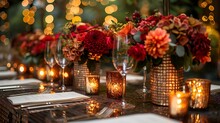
(95, 42)
(137, 52)
(82, 28)
(200, 47)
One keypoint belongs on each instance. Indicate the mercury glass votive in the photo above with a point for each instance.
(114, 84)
(92, 84)
(199, 92)
(178, 103)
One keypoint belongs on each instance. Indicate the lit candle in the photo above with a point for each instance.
(41, 74)
(178, 103)
(92, 84)
(199, 90)
(114, 84)
(22, 68)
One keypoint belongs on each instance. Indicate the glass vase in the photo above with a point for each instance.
(164, 79)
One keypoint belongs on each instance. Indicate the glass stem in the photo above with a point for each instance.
(144, 80)
(123, 90)
(51, 76)
(63, 87)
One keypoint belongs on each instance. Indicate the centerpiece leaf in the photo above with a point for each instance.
(180, 51)
(139, 65)
(137, 36)
(177, 61)
(91, 64)
(157, 62)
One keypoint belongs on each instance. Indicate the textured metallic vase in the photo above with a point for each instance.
(164, 79)
(80, 71)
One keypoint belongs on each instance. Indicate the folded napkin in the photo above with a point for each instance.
(135, 118)
(7, 74)
(214, 87)
(37, 98)
(3, 68)
(4, 84)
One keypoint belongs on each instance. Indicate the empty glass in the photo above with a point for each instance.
(122, 62)
(61, 61)
(49, 59)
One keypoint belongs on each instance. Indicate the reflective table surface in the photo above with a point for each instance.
(87, 110)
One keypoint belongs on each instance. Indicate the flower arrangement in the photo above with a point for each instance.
(85, 43)
(31, 46)
(183, 38)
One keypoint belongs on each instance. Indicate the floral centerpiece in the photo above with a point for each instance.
(31, 46)
(84, 43)
(183, 38)
(166, 45)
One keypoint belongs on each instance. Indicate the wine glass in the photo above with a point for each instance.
(49, 59)
(122, 62)
(61, 61)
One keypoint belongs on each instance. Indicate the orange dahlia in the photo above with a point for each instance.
(157, 43)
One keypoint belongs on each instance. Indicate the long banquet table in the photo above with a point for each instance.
(12, 114)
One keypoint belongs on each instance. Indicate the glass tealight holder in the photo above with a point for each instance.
(114, 84)
(178, 103)
(92, 84)
(199, 90)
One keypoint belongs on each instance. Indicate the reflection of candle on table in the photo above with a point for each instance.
(92, 107)
(92, 84)
(178, 103)
(41, 87)
(200, 91)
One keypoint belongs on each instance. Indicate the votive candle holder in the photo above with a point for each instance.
(92, 84)
(178, 103)
(114, 84)
(199, 90)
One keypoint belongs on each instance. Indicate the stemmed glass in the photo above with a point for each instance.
(61, 61)
(122, 62)
(49, 59)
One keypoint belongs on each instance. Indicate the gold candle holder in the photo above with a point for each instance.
(199, 92)
(92, 84)
(178, 103)
(114, 84)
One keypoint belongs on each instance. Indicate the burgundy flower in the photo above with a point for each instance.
(200, 47)
(138, 52)
(95, 42)
(83, 27)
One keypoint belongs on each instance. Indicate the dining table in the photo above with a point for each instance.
(86, 110)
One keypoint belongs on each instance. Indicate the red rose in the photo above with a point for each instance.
(138, 52)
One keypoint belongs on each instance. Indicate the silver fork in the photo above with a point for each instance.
(104, 113)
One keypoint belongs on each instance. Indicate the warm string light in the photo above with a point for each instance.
(49, 19)
(29, 15)
(73, 11)
(5, 24)
(207, 4)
